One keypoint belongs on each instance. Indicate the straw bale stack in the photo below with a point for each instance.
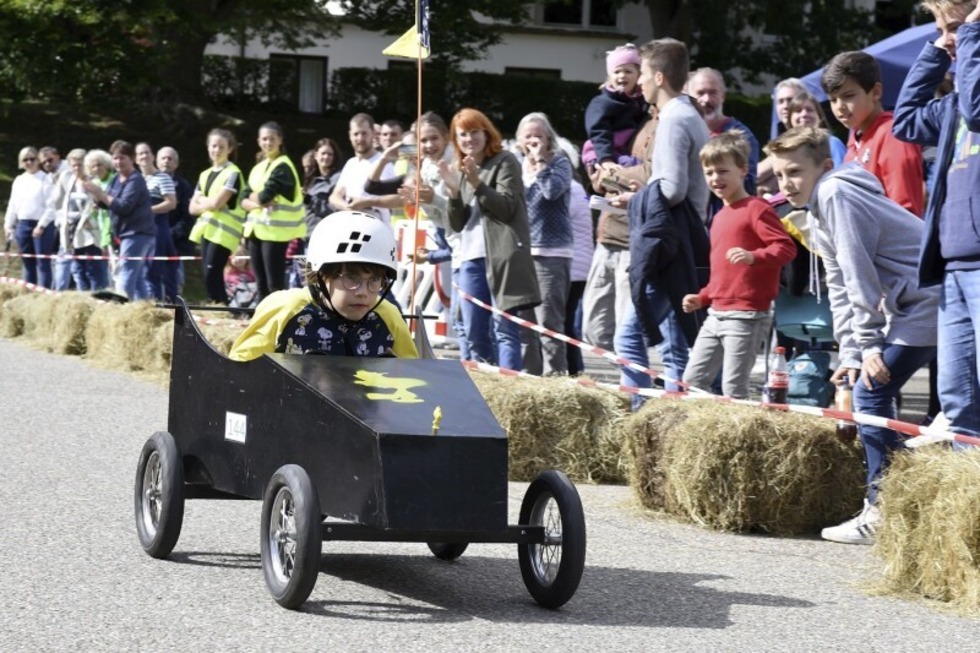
(930, 535)
(553, 423)
(11, 317)
(130, 337)
(222, 335)
(742, 468)
(9, 291)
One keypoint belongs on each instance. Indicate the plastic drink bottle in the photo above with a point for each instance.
(844, 400)
(777, 385)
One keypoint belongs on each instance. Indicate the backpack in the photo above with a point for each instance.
(809, 380)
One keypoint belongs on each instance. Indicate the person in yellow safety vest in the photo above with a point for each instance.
(273, 198)
(221, 221)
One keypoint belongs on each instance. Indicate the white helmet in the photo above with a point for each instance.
(352, 237)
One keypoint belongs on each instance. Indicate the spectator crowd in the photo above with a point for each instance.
(700, 230)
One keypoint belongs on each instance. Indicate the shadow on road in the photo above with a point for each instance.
(492, 589)
(212, 559)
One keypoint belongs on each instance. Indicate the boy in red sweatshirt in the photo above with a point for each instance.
(852, 81)
(748, 248)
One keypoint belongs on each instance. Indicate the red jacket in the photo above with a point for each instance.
(752, 225)
(897, 164)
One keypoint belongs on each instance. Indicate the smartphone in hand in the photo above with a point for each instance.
(615, 185)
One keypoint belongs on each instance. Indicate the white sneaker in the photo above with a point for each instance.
(857, 530)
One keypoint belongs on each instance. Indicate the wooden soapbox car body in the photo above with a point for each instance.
(345, 448)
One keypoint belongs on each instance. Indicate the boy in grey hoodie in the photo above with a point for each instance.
(884, 324)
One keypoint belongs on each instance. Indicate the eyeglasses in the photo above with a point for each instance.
(28, 159)
(47, 162)
(374, 282)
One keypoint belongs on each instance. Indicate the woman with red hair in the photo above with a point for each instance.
(487, 208)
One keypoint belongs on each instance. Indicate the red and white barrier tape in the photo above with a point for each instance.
(608, 355)
(102, 257)
(919, 435)
(28, 285)
(106, 257)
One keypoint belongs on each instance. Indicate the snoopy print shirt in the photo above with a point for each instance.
(290, 322)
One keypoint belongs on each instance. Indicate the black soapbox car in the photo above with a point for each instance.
(338, 448)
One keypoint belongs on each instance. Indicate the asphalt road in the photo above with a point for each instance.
(75, 578)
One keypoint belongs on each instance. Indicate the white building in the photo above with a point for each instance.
(564, 40)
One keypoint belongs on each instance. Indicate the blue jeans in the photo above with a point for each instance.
(507, 353)
(902, 362)
(632, 344)
(90, 275)
(132, 272)
(959, 335)
(456, 319)
(36, 270)
(62, 271)
(163, 276)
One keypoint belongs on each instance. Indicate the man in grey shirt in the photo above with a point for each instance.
(681, 134)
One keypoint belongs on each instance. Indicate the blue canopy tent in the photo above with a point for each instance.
(895, 55)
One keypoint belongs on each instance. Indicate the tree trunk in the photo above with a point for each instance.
(180, 70)
(671, 18)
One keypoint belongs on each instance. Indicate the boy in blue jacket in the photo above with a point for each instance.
(950, 252)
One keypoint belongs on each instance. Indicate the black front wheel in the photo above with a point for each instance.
(158, 495)
(553, 568)
(291, 536)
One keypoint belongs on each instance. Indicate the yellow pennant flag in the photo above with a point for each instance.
(407, 46)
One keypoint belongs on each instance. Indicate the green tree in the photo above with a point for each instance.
(65, 51)
(100, 49)
(760, 37)
(456, 32)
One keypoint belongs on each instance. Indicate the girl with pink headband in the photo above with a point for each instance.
(614, 115)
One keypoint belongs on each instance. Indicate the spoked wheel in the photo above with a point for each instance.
(158, 495)
(291, 536)
(447, 550)
(552, 570)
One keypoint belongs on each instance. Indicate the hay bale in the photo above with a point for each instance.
(69, 319)
(11, 290)
(130, 337)
(644, 434)
(552, 423)
(55, 323)
(222, 335)
(28, 316)
(930, 534)
(742, 468)
(11, 320)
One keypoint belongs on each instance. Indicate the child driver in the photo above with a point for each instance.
(342, 310)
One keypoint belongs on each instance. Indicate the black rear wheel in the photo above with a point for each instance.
(552, 569)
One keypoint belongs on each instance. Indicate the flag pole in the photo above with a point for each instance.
(418, 160)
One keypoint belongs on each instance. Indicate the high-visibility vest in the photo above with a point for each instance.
(284, 220)
(223, 227)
